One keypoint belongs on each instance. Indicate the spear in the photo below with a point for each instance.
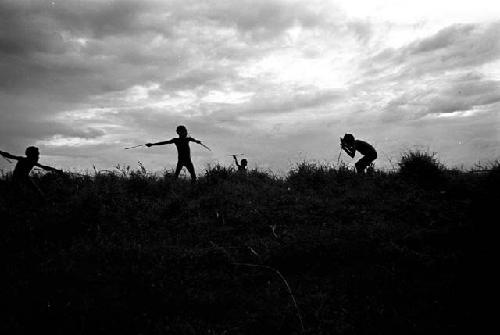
(340, 152)
(203, 145)
(135, 146)
(8, 160)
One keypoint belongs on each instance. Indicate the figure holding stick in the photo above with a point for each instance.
(242, 166)
(350, 145)
(24, 166)
(183, 151)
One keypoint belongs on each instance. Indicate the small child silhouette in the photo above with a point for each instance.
(183, 151)
(25, 165)
(350, 145)
(242, 166)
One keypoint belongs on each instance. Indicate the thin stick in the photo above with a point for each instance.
(284, 281)
(338, 159)
(135, 146)
(479, 171)
(8, 160)
(203, 145)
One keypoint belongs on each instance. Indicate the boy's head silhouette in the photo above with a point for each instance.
(348, 138)
(32, 153)
(182, 131)
(244, 162)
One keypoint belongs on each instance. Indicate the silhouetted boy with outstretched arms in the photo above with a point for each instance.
(24, 165)
(350, 145)
(242, 167)
(183, 151)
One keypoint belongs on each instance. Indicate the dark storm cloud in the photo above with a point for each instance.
(41, 130)
(74, 49)
(262, 19)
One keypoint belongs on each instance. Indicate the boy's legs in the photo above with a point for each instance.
(178, 169)
(190, 168)
(364, 162)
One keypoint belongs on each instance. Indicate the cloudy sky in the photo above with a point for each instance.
(278, 80)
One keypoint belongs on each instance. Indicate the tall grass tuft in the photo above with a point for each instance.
(421, 168)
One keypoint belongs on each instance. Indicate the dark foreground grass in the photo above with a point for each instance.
(322, 251)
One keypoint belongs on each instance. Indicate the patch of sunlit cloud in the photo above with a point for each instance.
(88, 114)
(289, 67)
(411, 11)
(140, 92)
(229, 97)
(395, 22)
(491, 70)
(61, 141)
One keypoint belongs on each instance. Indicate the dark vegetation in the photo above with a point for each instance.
(321, 251)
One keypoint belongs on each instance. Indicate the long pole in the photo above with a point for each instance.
(203, 145)
(135, 146)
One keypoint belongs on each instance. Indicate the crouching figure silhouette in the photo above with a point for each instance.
(350, 145)
(24, 166)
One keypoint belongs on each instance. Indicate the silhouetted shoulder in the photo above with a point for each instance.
(23, 167)
(364, 148)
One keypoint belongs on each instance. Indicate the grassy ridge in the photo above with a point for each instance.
(133, 253)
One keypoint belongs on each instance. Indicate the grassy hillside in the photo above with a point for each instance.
(322, 251)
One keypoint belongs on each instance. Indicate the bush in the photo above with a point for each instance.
(217, 173)
(309, 175)
(422, 168)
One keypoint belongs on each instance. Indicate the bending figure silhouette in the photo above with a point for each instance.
(350, 145)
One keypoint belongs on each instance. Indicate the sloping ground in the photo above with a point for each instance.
(370, 254)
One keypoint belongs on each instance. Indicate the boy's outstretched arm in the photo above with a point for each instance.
(236, 161)
(349, 150)
(199, 142)
(159, 143)
(48, 168)
(9, 156)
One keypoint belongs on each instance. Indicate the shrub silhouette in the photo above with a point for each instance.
(421, 168)
(217, 173)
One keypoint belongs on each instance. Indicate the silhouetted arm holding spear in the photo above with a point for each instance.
(199, 142)
(159, 143)
(49, 168)
(349, 149)
(8, 156)
(190, 139)
(236, 161)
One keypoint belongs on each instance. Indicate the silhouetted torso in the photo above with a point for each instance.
(364, 148)
(23, 168)
(183, 150)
